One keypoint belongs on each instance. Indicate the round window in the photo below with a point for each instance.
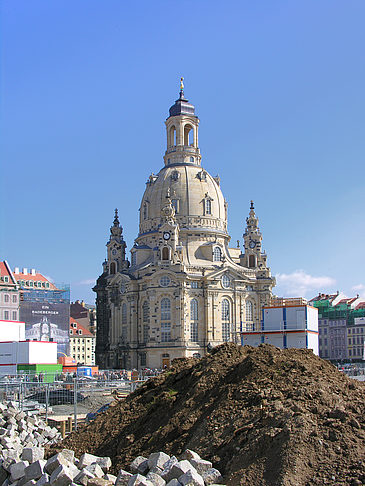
(165, 281)
(226, 281)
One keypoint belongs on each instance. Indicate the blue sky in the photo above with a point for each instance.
(278, 87)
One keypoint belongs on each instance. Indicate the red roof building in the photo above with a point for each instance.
(82, 343)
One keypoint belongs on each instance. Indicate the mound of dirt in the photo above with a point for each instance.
(263, 416)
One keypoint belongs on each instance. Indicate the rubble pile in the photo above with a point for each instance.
(64, 469)
(19, 430)
(261, 416)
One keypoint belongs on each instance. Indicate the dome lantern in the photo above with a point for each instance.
(182, 133)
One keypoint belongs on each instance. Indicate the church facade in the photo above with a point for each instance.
(185, 289)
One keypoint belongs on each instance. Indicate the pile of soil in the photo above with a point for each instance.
(263, 416)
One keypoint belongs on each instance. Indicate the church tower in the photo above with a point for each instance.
(186, 289)
(116, 246)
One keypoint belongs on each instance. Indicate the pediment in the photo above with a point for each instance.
(119, 278)
(228, 270)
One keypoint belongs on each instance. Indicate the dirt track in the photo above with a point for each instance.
(261, 415)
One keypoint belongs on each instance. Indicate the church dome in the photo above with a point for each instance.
(195, 195)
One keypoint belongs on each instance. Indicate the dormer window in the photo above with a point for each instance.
(207, 204)
(217, 254)
(145, 211)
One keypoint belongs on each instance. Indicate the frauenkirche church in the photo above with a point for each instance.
(185, 290)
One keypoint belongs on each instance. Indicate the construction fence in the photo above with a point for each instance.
(73, 401)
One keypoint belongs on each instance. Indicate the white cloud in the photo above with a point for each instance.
(360, 289)
(301, 284)
(89, 281)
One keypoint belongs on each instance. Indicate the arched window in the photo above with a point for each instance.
(112, 268)
(124, 314)
(208, 206)
(145, 210)
(165, 320)
(165, 309)
(188, 135)
(165, 253)
(146, 311)
(249, 311)
(194, 310)
(217, 254)
(194, 320)
(226, 320)
(252, 261)
(172, 140)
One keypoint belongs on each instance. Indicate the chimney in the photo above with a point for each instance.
(32, 271)
(25, 271)
(16, 270)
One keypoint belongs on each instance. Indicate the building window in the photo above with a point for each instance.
(208, 206)
(145, 333)
(249, 311)
(165, 253)
(145, 211)
(175, 205)
(146, 311)
(226, 281)
(143, 359)
(252, 261)
(6, 298)
(124, 314)
(350, 352)
(165, 281)
(134, 258)
(194, 310)
(194, 320)
(15, 316)
(165, 309)
(165, 332)
(6, 315)
(217, 254)
(112, 268)
(226, 317)
(15, 299)
(191, 159)
(194, 284)
(124, 334)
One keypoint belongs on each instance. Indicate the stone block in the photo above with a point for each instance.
(17, 470)
(87, 459)
(123, 478)
(157, 459)
(139, 480)
(35, 470)
(173, 482)
(62, 476)
(212, 476)
(105, 463)
(156, 470)
(43, 480)
(83, 477)
(178, 470)
(191, 478)
(139, 465)
(32, 454)
(201, 465)
(110, 477)
(31, 482)
(155, 479)
(68, 454)
(55, 462)
(95, 470)
(3, 475)
(99, 482)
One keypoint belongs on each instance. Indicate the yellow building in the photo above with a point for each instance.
(186, 289)
(82, 343)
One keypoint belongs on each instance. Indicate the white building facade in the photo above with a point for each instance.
(186, 290)
(286, 327)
